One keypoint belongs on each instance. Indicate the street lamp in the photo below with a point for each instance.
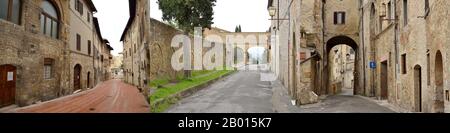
(272, 11)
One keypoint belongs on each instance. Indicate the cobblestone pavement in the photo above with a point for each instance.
(112, 96)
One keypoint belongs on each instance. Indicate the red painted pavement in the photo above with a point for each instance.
(112, 96)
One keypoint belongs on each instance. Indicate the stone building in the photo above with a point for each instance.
(36, 39)
(398, 44)
(407, 39)
(135, 40)
(81, 42)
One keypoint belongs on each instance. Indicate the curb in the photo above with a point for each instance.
(188, 92)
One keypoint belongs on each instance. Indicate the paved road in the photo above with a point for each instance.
(242, 92)
(345, 103)
(112, 96)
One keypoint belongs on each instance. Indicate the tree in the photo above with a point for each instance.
(240, 28)
(188, 14)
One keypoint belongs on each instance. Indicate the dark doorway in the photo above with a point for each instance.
(77, 77)
(439, 104)
(89, 79)
(418, 88)
(384, 78)
(7, 85)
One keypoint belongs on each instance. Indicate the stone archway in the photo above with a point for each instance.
(331, 43)
(439, 104)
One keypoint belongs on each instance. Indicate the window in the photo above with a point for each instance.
(389, 12)
(78, 42)
(135, 48)
(48, 68)
(427, 7)
(447, 95)
(405, 12)
(129, 51)
(88, 17)
(49, 20)
(101, 58)
(10, 10)
(404, 71)
(339, 18)
(89, 47)
(79, 7)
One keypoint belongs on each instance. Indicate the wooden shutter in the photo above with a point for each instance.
(335, 17)
(343, 17)
(78, 42)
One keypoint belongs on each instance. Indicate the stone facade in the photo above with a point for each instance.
(411, 41)
(42, 58)
(161, 51)
(147, 50)
(136, 39)
(407, 48)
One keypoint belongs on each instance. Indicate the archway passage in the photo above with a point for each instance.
(77, 77)
(351, 53)
(439, 104)
(257, 55)
(7, 85)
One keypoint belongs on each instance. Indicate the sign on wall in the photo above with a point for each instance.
(373, 65)
(10, 76)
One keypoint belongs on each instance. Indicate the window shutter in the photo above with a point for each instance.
(81, 9)
(78, 42)
(343, 17)
(335, 17)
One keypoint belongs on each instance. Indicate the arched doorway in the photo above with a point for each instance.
(331, 88)
(77, 77)
(8, 75)
(418, 88)
(439, 103)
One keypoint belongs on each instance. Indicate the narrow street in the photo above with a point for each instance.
(242, 92)
(112, 96)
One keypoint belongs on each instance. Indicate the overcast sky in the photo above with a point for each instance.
(252, 15)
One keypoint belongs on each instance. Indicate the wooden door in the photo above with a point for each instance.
(384, 80)
(7, 85)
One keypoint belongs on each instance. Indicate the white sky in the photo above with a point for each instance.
(252, 15)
